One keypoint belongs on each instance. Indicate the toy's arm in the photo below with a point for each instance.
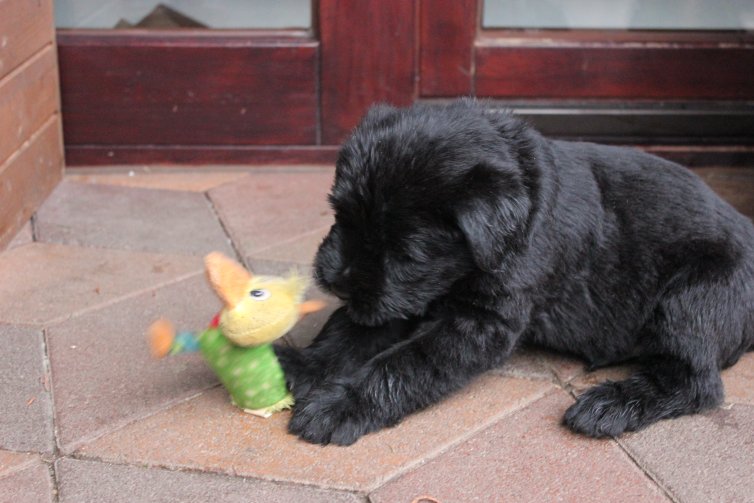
(163, 340)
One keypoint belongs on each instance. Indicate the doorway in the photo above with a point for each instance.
(676, 77)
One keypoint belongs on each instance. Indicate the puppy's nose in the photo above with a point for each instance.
(339, 292)
(340, 286)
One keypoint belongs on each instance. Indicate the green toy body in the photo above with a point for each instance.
(252, 375)
(238, 343)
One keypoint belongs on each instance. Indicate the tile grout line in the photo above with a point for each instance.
(116, 300)
(565, 384)
(55, 437)
(72, 448)
(568, 388)
(73, 178)
(364, 492)
(242, 257)
(34, 230)
(432, 455)
(78, 456)
(53, 471)
(647, 473)
(225, 229)
(177, 169)
(20, 466)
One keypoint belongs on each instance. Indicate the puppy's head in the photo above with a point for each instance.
(422, 197)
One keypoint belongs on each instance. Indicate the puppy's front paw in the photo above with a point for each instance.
(298, 373)
(330, 414)
(603, 411)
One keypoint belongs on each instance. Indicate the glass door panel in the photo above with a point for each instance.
(217, 14)
(620, 14)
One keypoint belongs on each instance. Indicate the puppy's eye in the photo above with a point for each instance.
(260, 294)
(404, 258)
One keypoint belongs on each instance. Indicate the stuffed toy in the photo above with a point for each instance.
(237, 344)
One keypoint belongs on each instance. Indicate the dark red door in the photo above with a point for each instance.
(252, 96)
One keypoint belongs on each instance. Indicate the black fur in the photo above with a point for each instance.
(460, 234)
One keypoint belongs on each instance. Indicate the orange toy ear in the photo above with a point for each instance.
(311, 306)
(228, 278)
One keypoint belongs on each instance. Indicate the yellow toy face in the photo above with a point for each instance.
(266, 312)
(258, 309)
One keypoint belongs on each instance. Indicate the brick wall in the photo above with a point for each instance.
(31, 149)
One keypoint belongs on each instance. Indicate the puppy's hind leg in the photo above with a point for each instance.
(692, 334)
(665, 388)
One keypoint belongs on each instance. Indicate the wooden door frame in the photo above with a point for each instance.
(337, 100)
(359, 52)
(115, 104)
(572, 84)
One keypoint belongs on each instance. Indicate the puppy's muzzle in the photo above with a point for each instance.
(339, 292)
(339, 286)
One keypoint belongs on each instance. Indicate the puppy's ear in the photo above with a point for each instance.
(379, 114)
(493, 211)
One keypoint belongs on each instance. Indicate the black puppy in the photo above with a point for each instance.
(461, 234)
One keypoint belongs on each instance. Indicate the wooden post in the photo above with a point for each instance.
(31, 148)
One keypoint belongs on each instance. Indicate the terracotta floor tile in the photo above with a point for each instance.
(24, 236)
(526, 363)
(739, 380)
(535, 363)
(143, 235)
(30, 484)
(565, 367)
(90, 481)
(102, 372)
(266, 211)
(300, 250)
(527, 456)
(26, 422)
(125, 218)
(193, 181)
(12, 461)
(701, 458)
(41, 283)
(590, 379)
(207, 433)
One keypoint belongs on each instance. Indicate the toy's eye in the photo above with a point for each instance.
(260, 294)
